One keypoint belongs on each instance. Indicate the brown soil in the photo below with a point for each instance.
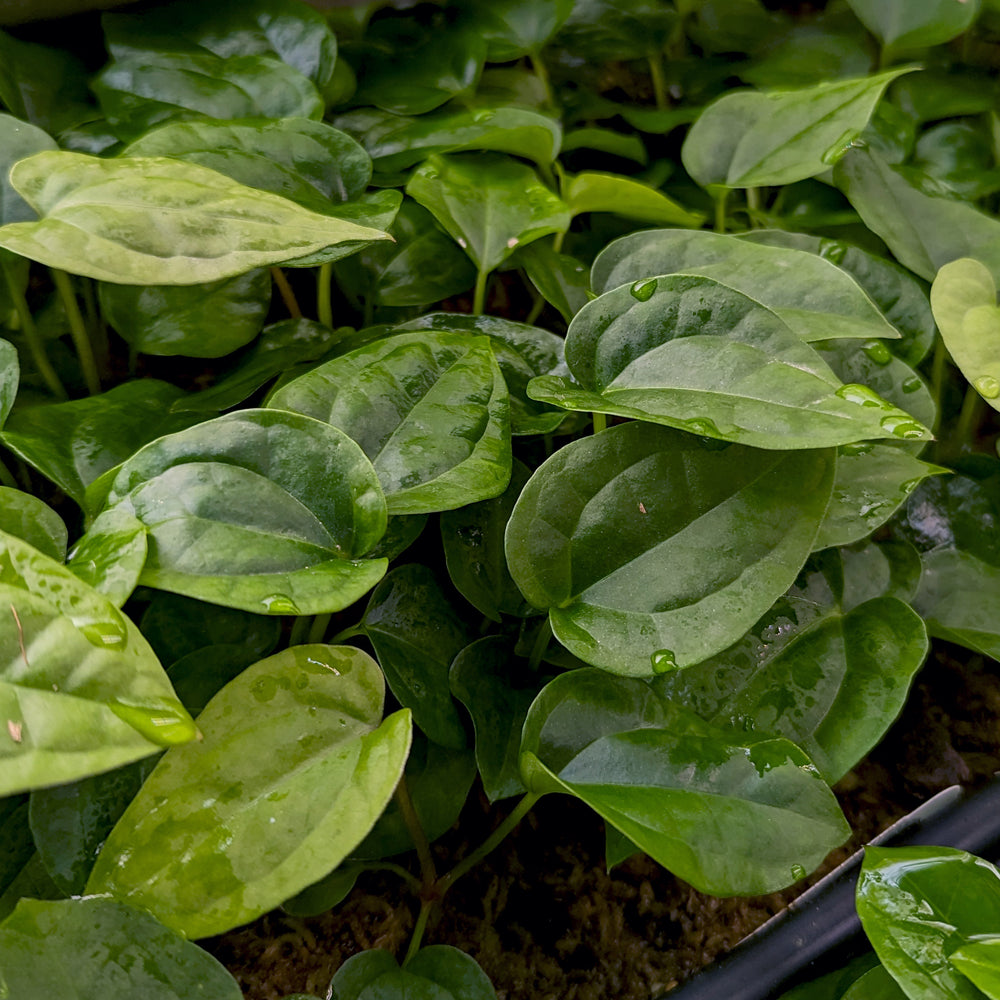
(547, 922)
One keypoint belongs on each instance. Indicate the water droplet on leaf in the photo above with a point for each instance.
(106, 635)
(877, 351)
(862, 396)
(483, 116)
(855, 448)
(912, 384)
(280, 604)
(902, 427)
(662, 661)
(264, 688)
(987, 387)
(164, 726)
(833, 251)
(703, 427)
(841, 146)
(798, 872)
(643, 290)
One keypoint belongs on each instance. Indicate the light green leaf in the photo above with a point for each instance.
(601, 192)
(34, 521)
(980, 961)
(110, 556)
(259, 808)
(10, 376)
(153, 220)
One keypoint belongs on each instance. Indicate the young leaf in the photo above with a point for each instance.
(560, 279)
(600, 192)
(221, 834)
(19, 139)
(429, 410)
(754, 138)
(488, 204)
(811, 294)
(964, 300)
(918, 905)
(980, 961)
(81, 692)
(33, 521)
(262, 510)
(597, 522)
(439, 972)
(700, 801)
(102, 947)
(899, 25)
(159, 221)
(110, 556)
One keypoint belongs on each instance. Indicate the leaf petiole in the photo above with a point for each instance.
(78, 330)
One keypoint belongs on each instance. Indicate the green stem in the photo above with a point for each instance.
(969, 419)
(938, 368)
(479, 295)
(391, 866)
(418, 929)
(600, 422)
(78, 330)
(540, 644)
(536, 310)
(324, 286)
(348, 633)
(286, 292)
(318, 628)
(35, 344)
(753, 206)
(300, 628)
(95, 322)
(659, 80)
(7, 477)
(720, 211)
(487, 846)
(416, 830)
(542, 72)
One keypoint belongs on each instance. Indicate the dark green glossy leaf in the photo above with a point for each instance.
(811, 294)
(430, 410)
(199, 676)
(487, 681)
(73, 443)
(923, 232)
(197, 321)
(560, 279)
(600, 192)
(721, 26)
(324, 895)
(833, 985)
(19, 139)
(889, 569)
(285, 28)
(102, 947)
(438, 972)
(141, 91)
(34, 521)
(601, 30)
(110, 556)
(396, 142)
(700, 801)
(833, 686)
(597, 522)
(488, 204)
(606, 140)
(33, 882)
(153, 220)
(754, 138)
(473, 540)
(517, 28)
(875, 984)
(16, 843)
(899, 296)
(980, 962)
(416, 633)
(939, 93)
(920, 904)
(303, 160)
(81, 692)
(70, 822)
(899, 25)
(959, 156)
(695, 354)
(263, 510)
(205, 845)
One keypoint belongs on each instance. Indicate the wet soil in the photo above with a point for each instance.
(546, 920)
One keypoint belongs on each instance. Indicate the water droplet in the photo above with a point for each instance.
(662, 661)
(987, 387)
(264, 688)
(877, 351)
(841, 146)
(798, 872)
(643, 290)
(480, 117)
(280, 604)
(862, 396)
(462, 243)
(912, 384)
(909, 486)
(701, 426)
(512, 242)
(106, 635)
(902, 427)
(430, 173)
(164, 726)
(855, 448)
(833, 250)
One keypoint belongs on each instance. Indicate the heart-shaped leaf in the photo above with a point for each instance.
(601, 192)
(899, 25)
(439, 972)
(517, 28)
(224, 833)
(597, 522)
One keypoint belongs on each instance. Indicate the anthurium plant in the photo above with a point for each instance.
(588, 399)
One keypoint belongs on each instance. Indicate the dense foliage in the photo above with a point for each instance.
(377, 417)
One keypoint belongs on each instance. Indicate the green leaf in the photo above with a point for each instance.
(964, 300)
(485, 680)
(299, 36)
(416, 633)
(430, 411)
(19, 139)
(879, 569)
(154, 220)
(697, 355)
(263, 510)
(488, 204)
(31, 881)
(899, 296)
(811, 294)
(18, 844)
(597, 522)
(34, 521)
(397, 142)
(755, 138)
(73, 443)
(517, 28)
(920, 904)
(306, 161)
(205, 846)
(439, 972)
(141, 91)
(628, 146)
(832, 684)
(200, 676)
(923, 232)
(197, 321)
(602, 30)
(321, 896)
(110, 556)
(899, 25)
(730, 814)
(959, 157)
(980, 962)
(102, 947)
(81, 692)
(10, 374)
(601, 192)
(876, 984)
(560, 279)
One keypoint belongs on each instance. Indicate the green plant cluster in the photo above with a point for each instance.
(379, 416)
